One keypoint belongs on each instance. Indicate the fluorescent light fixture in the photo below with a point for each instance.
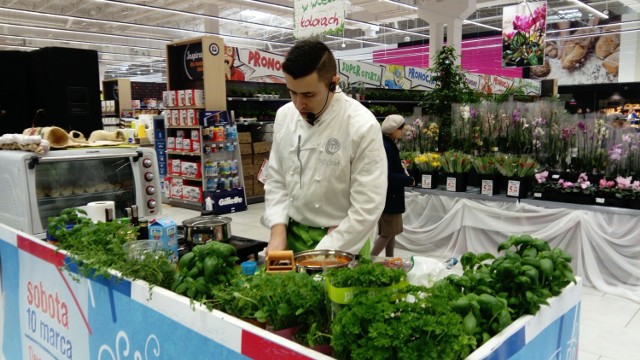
(401, 4)
(481, 25)
(589, 8)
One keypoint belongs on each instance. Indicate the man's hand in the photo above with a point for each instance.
(278, 239)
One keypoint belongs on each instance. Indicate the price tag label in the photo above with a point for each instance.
(555, 176)
(426, 181)
(537, 195)
(487, 187)
(513, 188)
(599, 200)
(451, 184)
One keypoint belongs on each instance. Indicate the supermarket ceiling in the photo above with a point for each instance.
(130, 35)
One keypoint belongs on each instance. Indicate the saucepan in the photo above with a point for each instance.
(315, 261)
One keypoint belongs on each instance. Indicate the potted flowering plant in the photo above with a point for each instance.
(621, 192)
(579, 192)
(487, 168)
(427, 165)
(456, 166)
(519, 171)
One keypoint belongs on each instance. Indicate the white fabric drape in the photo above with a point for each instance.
(605, 246)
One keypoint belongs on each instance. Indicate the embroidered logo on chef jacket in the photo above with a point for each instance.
(332, 147)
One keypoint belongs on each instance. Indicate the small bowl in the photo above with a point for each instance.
(316, 261)
(249, 267)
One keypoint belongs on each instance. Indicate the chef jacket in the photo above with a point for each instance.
(333, 173)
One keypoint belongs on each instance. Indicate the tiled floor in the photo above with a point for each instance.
(609, 325)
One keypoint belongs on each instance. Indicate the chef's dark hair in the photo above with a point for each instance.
(307, 56)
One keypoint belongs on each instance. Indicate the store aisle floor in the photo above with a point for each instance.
(609, 325)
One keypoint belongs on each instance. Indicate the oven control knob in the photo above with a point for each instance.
(148, 176)
(151, 190)
(151, 204)
(146, 162)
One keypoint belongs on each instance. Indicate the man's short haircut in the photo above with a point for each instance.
(308, 56)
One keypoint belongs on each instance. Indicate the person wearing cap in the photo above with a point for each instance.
(390, 223)
(326, 186)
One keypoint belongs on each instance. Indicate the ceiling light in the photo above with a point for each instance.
(589, 8)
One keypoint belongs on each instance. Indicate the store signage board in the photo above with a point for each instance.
(318, 17)
(523, 33)
(46, 314)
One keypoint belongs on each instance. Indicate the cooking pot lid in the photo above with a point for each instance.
(206, 221)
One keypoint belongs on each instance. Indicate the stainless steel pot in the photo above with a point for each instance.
(202, 229)
(315, 261)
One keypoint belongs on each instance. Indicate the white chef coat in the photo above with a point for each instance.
(331, 174)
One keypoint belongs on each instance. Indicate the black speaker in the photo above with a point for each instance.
(15, 113)
(67, 86)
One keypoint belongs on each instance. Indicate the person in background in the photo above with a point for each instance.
(326, 188)
(390, 223)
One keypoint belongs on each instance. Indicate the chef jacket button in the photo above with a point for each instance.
(318, 178)
(317, 205)
(291, 172)
(290, 199)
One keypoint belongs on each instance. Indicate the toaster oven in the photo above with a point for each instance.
(35, 187)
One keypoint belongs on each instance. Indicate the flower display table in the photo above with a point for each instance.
(604, 241)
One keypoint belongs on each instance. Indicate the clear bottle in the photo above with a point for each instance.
(450, 263)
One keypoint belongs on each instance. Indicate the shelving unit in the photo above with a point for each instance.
(202, 139)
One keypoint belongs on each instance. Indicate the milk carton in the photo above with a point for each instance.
(166, 231)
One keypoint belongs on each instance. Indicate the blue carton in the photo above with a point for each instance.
(166, 231)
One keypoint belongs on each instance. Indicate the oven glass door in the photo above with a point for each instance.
(73, 183)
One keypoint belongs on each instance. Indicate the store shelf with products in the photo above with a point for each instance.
(196, 102)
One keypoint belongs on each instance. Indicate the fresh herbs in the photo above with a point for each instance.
(205, 267)
(366, 275)
(409, 323)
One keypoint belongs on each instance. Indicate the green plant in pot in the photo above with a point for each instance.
(450, 87)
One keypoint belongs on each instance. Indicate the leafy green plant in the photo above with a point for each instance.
(205, 267)
(58, 226)
(366, 275)
(518, 166)
(450, 87)
(409, 323)
(456, 162)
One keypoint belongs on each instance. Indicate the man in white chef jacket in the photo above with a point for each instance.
(327, 170)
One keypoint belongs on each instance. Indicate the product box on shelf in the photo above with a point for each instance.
(171, 143)
(250, 170)
(194, 97)
(192, 193)
(247, 159)
(165, 230)
(192, 117)
(195, 146)
(175, 117)
(179, 144)
(183, 116)
(245, 149)
(195, 135)
(176, 167)
(258, 159)
(186, 145)
(244, 137)
(176, 188)
(261, 147)
(180, 98)
(227, 201)
(167, 99)
(191, 169)
(180, 134)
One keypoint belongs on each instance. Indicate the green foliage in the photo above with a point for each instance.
(204, 268)
(456, 162)
(409, 323)
(97, 249)
(450, 87)
(57, 225)
(366, 275)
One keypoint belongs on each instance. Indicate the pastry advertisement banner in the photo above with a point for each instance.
(317, 17)
(583, 52)
(523, 34)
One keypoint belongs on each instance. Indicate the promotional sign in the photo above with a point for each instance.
(360, 72)
(47, 312)
(318, 17)
(226, 201)
(192, 61)
(523, 34)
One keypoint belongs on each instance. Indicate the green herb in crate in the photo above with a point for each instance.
(366, 275)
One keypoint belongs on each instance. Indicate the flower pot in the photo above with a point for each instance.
(288, 333)
(456, 182)
(518, 187)
(323, 349)
(580, 198)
